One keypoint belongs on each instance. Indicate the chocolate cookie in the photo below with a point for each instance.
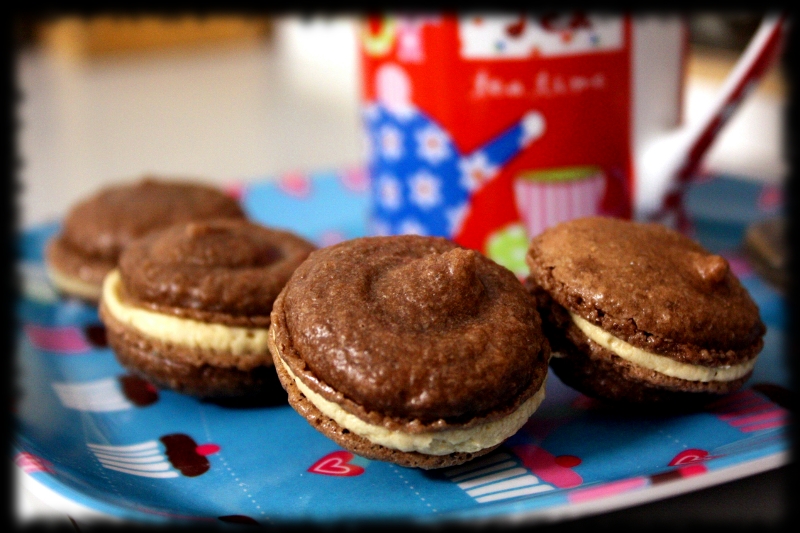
(188, 307)
(409, 349)
(637, 312)
(96, 230)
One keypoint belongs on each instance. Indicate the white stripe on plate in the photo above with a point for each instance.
(167, 474)
(152, 458)
(149, 467)
(124, 455)
(122, 449)
(513, 493)
(522, 481)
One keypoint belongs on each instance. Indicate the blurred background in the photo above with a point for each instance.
(237, 98)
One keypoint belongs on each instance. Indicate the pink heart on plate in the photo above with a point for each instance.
(336, 464)
(692, 455)
(30, 463)
(355, 179)
(60, 339)
(295, 184)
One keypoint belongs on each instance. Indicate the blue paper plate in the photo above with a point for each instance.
(98, 437)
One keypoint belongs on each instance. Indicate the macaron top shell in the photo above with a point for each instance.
(648, 285)
(412, 328)
(102, 225)
(228, 267)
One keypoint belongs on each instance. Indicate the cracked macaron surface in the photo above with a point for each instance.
(97, 229)
(647, 290)
(189, 306)
(412, 336)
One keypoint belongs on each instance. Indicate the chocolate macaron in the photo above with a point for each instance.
(409, 349)
(188, 307)
(639, 313)
(97, 229)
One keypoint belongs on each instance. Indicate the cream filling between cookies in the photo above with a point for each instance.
(73, 285)
(659, 363)
(431, 443)
(238, 341)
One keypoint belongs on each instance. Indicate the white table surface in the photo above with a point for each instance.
(244, 112)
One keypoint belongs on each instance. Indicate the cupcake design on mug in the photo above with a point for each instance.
(546, 197)
(180, 456)
(423, 183)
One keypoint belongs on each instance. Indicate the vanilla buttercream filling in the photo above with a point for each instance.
(659, 363)
(431, 443)
(238, 341)
(73, 285)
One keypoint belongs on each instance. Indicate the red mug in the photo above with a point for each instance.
(489, 129)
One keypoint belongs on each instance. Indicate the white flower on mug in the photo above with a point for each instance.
(412, 227)
(476, 170)
(389, 193)
(432, 144)
(391, 142)
(425, 189)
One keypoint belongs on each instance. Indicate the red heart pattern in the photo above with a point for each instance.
(336, 464)
(692, 455)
